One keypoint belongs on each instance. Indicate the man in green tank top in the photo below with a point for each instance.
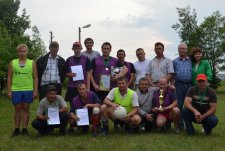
(22, 87)
(125, 97)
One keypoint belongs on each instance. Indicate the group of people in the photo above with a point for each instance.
(154, 92)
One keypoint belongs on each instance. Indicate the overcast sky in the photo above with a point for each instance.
(126, 24)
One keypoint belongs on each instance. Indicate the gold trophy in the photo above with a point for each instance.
(161, 99)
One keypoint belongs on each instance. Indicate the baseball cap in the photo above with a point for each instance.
(77, 44)
(201, 77)
(51, 88)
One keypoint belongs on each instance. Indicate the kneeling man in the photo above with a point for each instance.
(125, 97)
(89, 100)
(52, 100)
(165, 105)
(200, 106)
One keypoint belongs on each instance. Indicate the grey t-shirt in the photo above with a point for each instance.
(45, 104)
(160, 68)
(145, 100)
(91, 55)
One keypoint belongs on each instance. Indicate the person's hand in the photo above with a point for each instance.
(71, 75)
(45, 117)
(172, 87)
(149, 117)
(35, 94)
(155, 109)
(74, 117)
(126, 119)
(96, 87)
(114, 106)
(10, 94)
(198, 117)
(86, 106)
(114, 77)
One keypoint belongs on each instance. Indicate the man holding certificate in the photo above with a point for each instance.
(100, 72)
(78, 67)
(128, 99)
(82, 107)
(51, 113)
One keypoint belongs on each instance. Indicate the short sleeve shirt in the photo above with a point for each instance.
(135, 103)
(160, 68)
(202, 105)
(45, 104)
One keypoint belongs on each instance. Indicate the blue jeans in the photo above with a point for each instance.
(208, 123)
(181, 90)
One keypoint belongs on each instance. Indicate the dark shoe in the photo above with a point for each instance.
(70, 130)
(15, 133)
(104, 130)
(163, 129)
(25, 132)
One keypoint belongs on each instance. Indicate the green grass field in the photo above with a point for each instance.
(116, 141)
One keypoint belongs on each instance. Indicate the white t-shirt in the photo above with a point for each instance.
(135, 103)
(141, 67)
(91, 55)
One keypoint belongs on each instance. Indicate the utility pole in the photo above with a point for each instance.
(51, 36)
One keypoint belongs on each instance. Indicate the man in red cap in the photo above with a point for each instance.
(200, 106)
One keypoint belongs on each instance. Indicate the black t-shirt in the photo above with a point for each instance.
(209, 97)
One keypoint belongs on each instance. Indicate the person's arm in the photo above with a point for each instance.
(92, 80)
(169, 77)
(171, 106)
(73, 116)
(9, 80)
(124, 71)
(96, 87)
(108, 102)
(188, 105)
(133, 112)
(92, 105)
(131, 81)
(69, 74)
(62, 104)
(63, 109)
(211, 111)
(35, 80)
(148, 76)
(170, 71)
(42, 117)
(88, 64)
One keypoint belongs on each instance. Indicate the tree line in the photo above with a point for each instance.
(208, 35)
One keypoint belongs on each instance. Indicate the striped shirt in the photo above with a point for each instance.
(159, 68)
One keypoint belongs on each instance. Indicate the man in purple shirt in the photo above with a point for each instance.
(166, 110)
(100, 72)
(84, 99)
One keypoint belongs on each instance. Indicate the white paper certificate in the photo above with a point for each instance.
(82, 114)
(53, 116)
(79, 72)
(105, 82)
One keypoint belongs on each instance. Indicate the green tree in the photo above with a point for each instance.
(15, 24)
(187, 23)
(37, 44)
(209, 35)
(12, 33)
